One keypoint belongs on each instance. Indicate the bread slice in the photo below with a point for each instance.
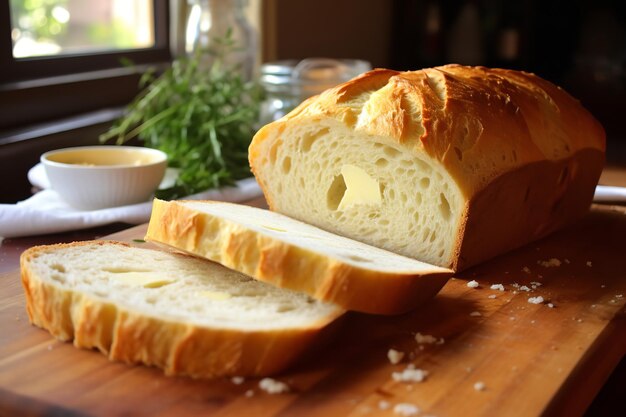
(186, 315)
(450, 165)
(288, 253)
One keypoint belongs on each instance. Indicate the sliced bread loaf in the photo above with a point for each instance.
(288, 253)
(186, 315)
(450, 165)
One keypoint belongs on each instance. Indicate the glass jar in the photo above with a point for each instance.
(288, 83)
(209, 21)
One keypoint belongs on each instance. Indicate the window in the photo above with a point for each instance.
(59, 58)
(61, 27)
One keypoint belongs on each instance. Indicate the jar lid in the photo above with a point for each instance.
(310, 76)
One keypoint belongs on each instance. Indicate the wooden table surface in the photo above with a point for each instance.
(533, 359)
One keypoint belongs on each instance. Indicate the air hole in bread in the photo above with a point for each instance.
(382, 162)
(418, 199)
(357, 258)
(151, 300)
(58, 278)
(425, 182)
(444, 207)
(416, 216)
(425, 234)
(391, 152)
(403, 198)
(399, 172)
(335, 192)
(286, 165)
(285, 308)
(433, 236)
(274, 151)
(309, 139)
(407, 163)
(391, 194)
(58, 267)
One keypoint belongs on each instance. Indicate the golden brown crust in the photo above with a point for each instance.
(178, 348)
(285, 265)
(478, 122)
(527, 204)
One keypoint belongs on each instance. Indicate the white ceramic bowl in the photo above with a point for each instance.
(95, 177)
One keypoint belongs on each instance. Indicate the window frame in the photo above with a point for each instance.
(42, 89)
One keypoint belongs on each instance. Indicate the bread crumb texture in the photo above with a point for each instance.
(427, 339)
(406, 409)
(410, 374)
(550, 263)
(146, 306)
(273, 386)
(395, 356)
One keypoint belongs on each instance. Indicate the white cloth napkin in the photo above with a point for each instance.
(45, 212)
(606, 194)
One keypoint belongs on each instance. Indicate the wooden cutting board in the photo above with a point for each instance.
(533, 359)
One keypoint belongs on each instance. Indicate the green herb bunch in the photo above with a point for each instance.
(202, 116)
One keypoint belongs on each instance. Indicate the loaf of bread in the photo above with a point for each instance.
(449, 165)
(288, 253)
(186, 315)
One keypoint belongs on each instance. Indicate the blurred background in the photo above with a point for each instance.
(65, 73)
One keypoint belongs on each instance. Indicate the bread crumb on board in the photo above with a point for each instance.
(395, 356)
(383, 405)
(498, 287)
(422, 339)
(536, 300)
(410, 374)
(479, 386)
(237, 380)
(472, 284)
(249, 393)
(406, 409)
(526, 269)
(550, 263)
(492, 296)
(589, 264)
(272, 386)
(475, 314)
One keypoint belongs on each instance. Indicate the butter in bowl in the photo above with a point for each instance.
(97, 177)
